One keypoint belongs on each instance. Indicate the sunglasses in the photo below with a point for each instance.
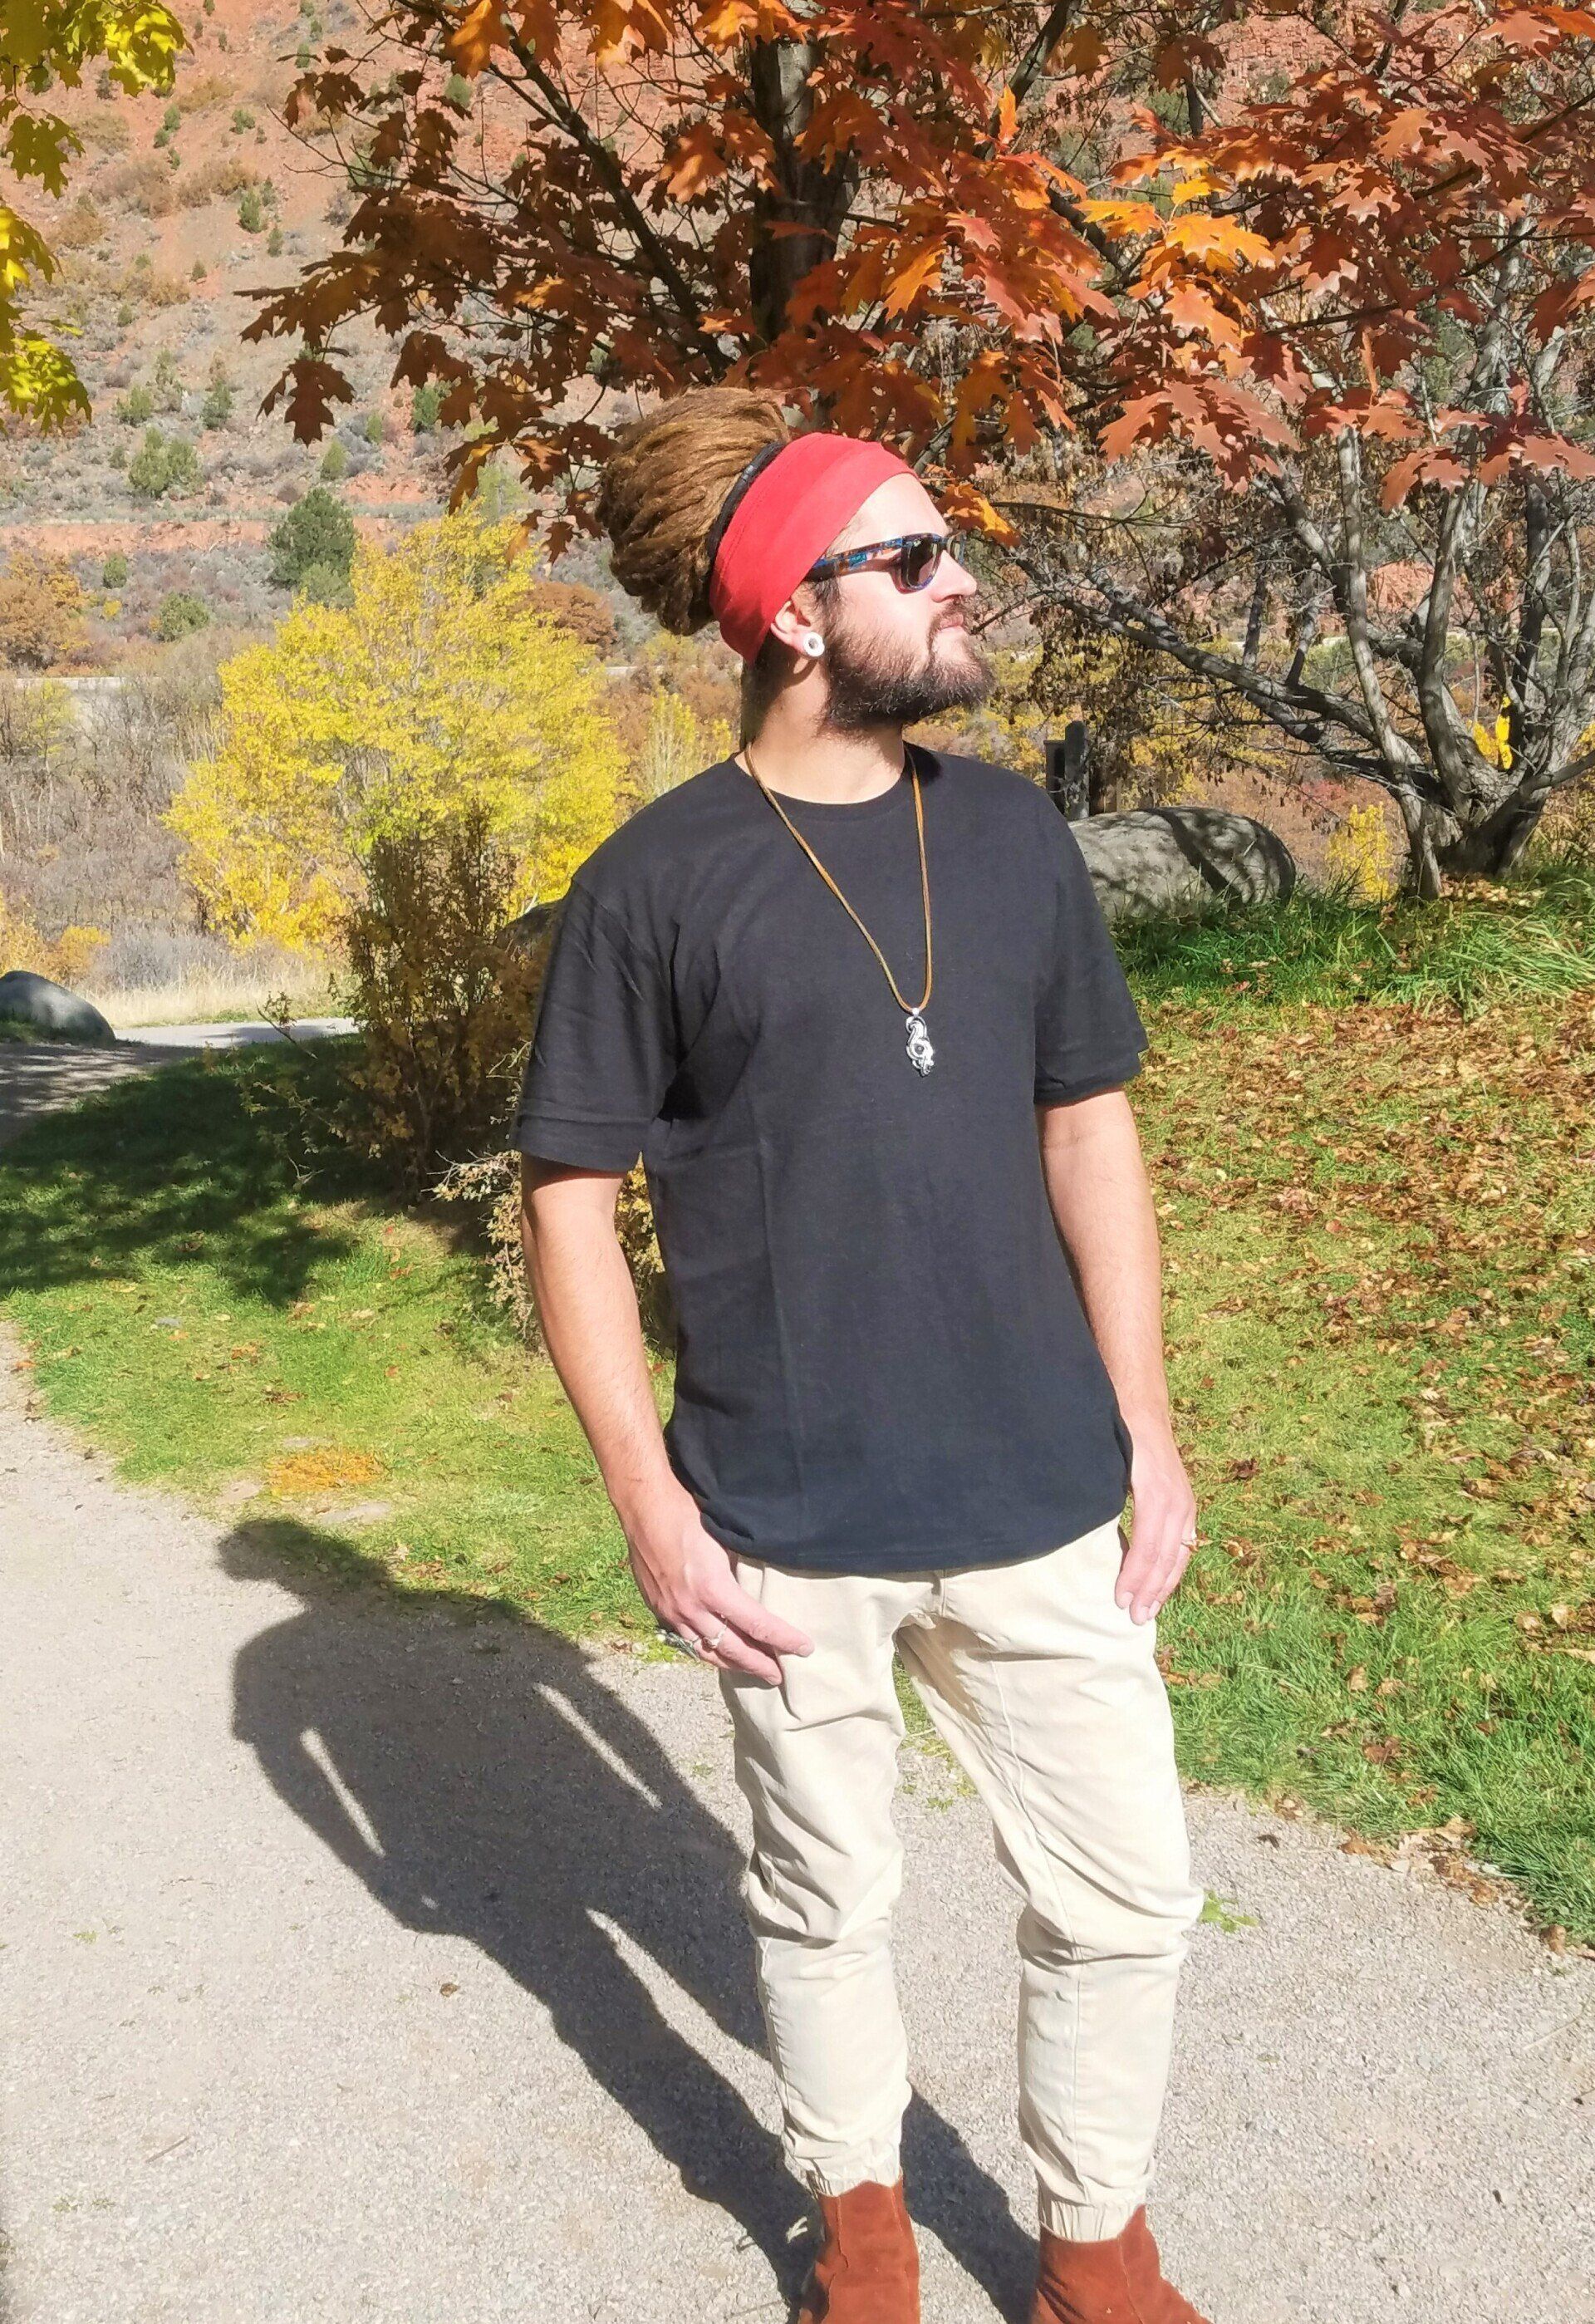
(912, 557)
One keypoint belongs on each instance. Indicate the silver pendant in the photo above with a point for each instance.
(920, 1053)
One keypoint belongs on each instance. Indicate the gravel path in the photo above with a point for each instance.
(372, 1964)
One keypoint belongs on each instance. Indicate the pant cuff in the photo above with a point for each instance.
(1086, 2222)
(880, 2160)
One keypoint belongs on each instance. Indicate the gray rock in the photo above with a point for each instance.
(29, 1000)
(1171, 858)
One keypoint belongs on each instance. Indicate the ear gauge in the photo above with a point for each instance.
(814, 643)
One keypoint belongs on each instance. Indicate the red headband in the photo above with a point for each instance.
(788, 516)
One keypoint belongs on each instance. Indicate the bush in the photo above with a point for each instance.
(250, 215)
(181, 614)
(444, 1000)
(424, 407)
(335, 462)
(215, 179)
(457, 92)
(375, 430)
(42, 607)
(275, 243)
(242, 119)
(144, 186)
(172, 119)
(324, 585)
(124, 315)
(168, 384)
(318, 532)
(137, 405)
(218, 407)
(113, 571)
(164, 465)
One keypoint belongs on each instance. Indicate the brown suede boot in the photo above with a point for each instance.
(1117, 2281)
(867, 2269)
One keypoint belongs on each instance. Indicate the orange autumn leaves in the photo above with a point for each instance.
(955, 229)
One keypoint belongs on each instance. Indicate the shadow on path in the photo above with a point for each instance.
(504, 1795)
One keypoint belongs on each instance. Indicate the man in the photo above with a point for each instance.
(855, 1004)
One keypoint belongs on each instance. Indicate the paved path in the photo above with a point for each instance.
(371, 1964)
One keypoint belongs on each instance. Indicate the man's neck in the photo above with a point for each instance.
(795, 753)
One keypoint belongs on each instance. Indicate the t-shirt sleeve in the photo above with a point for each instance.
(1089, 1034)
(603, 1041)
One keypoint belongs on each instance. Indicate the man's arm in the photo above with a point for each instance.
(588, 1305)
(1097, 1186)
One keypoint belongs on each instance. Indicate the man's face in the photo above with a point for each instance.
(896, 656)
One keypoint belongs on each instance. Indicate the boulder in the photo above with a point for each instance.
(59, 1015)
(1171, 858)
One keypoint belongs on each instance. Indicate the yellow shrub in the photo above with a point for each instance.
(438, 687)
(1361, 851)
(75, 953)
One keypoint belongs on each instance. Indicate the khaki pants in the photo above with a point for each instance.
(1047, 1694)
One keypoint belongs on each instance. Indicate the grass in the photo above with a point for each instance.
(230, 992)
(1371, 1136)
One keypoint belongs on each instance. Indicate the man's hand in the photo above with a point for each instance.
(1165, 1521)
(685, 1574)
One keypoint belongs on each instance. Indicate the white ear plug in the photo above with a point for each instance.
(814, 643)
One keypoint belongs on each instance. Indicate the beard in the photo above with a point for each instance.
(874, 686)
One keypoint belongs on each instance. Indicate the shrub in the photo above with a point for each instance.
(168, 383)
(250, 215)
(444, 1002)
(181, 614)
(376, 428)
(215, 181)
(317, 531)
(137, 405)
(242, 119)
(324, 585)
(81, 226)
(124, 315)
(335, 462)
(144, 186)
(172, 118)
(164, 465)
(113, 571)
(457, 92)
(218, 407)
(197, 271)
(42, 605)
(275, 243)
(424, 407)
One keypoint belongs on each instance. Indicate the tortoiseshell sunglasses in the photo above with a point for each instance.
(914, 557)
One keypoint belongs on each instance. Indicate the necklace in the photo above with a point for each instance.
(921, 1055)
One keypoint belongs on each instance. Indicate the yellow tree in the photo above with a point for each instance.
(437, 687)
(46, 44)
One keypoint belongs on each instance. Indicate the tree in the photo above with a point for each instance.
(955, 229)
(834, 203)
(1375, 315)
(317, 533)
(50, 44)
(440, 685)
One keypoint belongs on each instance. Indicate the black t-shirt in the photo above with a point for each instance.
(882, 1362)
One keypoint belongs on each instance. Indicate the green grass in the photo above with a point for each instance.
(320, 1366)
(1371, 1138)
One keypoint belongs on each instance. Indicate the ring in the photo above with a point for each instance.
(685, 1639)
(710, 1644)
